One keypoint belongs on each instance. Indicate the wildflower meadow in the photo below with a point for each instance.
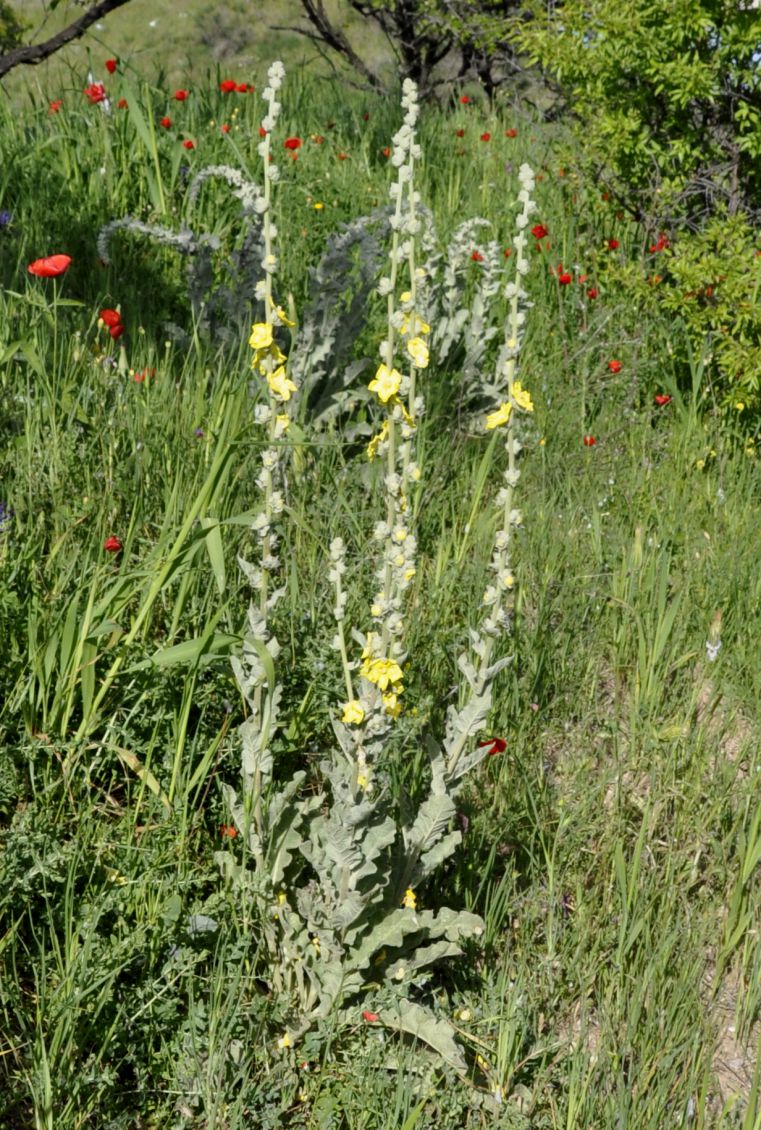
(379, 606)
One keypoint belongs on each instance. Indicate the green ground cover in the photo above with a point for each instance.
(610, 844)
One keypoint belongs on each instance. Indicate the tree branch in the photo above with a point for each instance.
(335, 38)
(34, 53)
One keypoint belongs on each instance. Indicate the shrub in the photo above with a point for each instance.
(11, 28)
(666, 97)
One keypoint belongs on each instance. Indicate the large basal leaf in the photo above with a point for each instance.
(421, 957)
(421, 1023)
(388, 934)
(436, 856)
(430, 823)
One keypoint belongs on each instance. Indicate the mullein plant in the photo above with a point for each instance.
(478, 669)
(254, 670)
(332, 873)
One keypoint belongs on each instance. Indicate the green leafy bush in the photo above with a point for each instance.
(11, 28)
(667, 98)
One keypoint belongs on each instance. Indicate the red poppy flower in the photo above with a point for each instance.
(386, 151)
(121, 104)
(166, 122)
(111, 65)
(242, 88)
(228, 85)
(110, 317)
(56, 105)
(486, 137)
(498, 745)
(117, 331)
(292, 143)
(539, 231)
(662, 399)
(613, 244)
(477, 257)
(661, 244)
(592, 292)
(140, 375)
(112, 545)
(589, 441)
(459, 133)
(50, 266)
(615, 366)
(188, 144)
(225, 128)
(508, 252)
(96, 92)
(564, 278)
(370, 1017)
(511, 133)
(180, 95)
(342, 156)
(228, 831)
(464, 99)
(583, 278)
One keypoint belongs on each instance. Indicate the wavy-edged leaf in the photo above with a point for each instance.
(421, 1023)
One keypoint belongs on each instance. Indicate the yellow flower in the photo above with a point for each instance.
(353, 713)
(501, 416)
(409, 901)
(418, 351)
(381, 672)
(409, 574)
(376, 441)
(739, 406)
(281, 899)
(261, 336)
(392, 704)
(318, 206)
(282, 422)
(265, 360)
(413, 324)
(522, 397)
(282, 317)
(285, 1041)
(361, 781)
(386, 383)
(280, 385)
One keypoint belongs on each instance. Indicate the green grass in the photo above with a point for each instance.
(612, 849)
(182, 43)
